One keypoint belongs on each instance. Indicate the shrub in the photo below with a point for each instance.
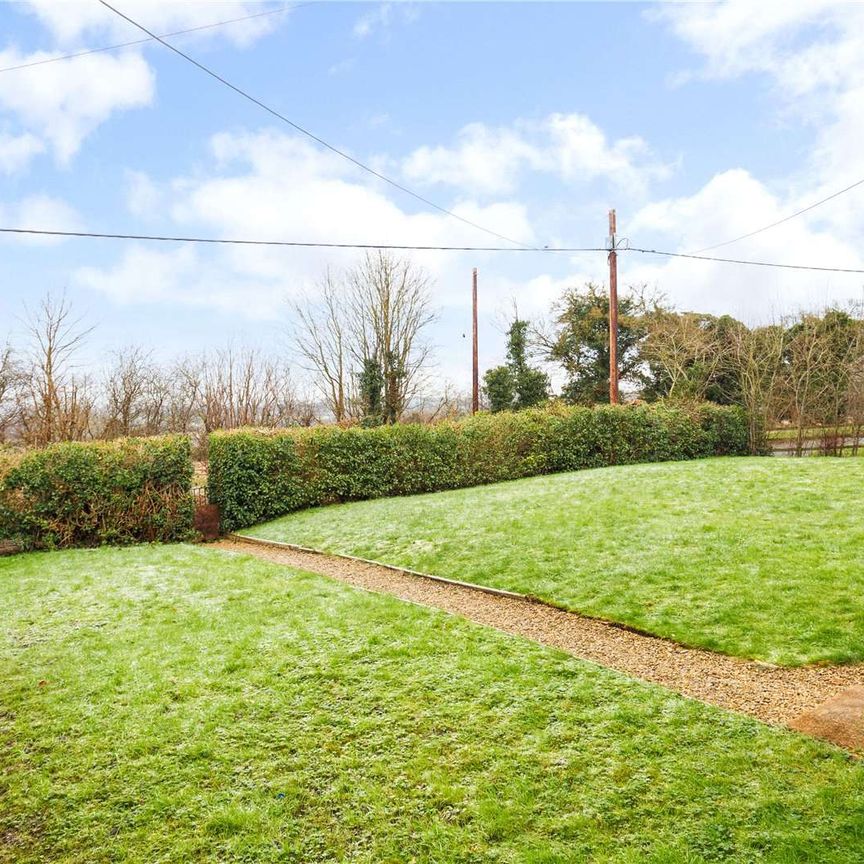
(256, 475)
(74, 494)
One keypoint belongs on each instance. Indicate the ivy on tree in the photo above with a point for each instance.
(370, 381)
(516, 385)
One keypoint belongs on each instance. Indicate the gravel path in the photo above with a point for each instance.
(773, 694)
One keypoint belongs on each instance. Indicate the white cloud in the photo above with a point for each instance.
(275, 186)
(57, 105)
(16, 151)
(809, 55)
(809, 52)
(341, 67)
(71, 21)
(382, 118)
(483, 159)
(42, 212)
(378, 19)
(793, 42)
(493, 160)
(383, 18)
(143, 275)
(143, 197)
(146, 274)
(63, 103)
(730, 204)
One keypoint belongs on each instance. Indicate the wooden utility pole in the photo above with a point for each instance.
(475, 380)
(613, 312)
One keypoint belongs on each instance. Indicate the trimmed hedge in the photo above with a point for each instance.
(256, 475)
(127, 491)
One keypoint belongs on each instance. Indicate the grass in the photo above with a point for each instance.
(178, 704)
(753, 557)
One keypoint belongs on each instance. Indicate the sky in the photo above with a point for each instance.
(697, 122)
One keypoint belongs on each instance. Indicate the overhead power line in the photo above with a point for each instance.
(255, 101)
(119, 45)
(747, 262)
(164, 238)
(812, 206)
(407, 247)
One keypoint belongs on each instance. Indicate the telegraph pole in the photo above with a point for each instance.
(613, 312)
(475, 380)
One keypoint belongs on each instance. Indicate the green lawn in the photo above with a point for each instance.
(177, 704)
(754, 557)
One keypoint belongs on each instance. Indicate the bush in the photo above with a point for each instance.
(126, 491)
(256, 475)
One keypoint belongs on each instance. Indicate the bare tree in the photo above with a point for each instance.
(843, 388)
(821, 355)
(369, 321)
(245, 388)
(153, 416)
(8, 385)
(390, 305)
(686, 348)
(182, 398)
(755, 360)
(321, 336)
(449, 403)
(855, 398)
(133, 395)
(55, 402)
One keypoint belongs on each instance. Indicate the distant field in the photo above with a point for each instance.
(756, 557)
(783, 441)
(179, 704)
(790, 434)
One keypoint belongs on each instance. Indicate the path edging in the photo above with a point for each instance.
(497, 592)
(485, 589)
(776, 695)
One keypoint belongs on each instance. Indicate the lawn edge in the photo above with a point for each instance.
(294, 547)
(516, 595)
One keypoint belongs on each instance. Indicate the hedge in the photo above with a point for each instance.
(256, 475)
(87, 494)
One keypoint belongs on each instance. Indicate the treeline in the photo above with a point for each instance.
(359, 344)
(45, 396)
(804, 371)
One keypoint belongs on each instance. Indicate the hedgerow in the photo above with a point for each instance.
(87, 494)
(261, 474)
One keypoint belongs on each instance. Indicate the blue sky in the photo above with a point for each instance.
(698, 123)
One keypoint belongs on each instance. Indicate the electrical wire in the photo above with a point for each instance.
(395, 184)
(150, 38)
(784, 219)
(314, 244)
(291, 243)
(747, 262)
(522, 246)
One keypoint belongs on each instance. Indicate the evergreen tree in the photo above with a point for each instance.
(516, 384)
(579, 342)
(499, 387)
